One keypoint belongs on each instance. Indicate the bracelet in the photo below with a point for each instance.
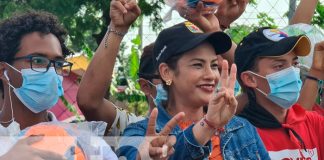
(109, 29)
(312, 78)
(121, 34)
(218, 130)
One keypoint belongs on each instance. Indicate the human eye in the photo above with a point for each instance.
(197, 65)
(39, 61)
(214, 66)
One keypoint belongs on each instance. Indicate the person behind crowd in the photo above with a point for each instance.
(187, 61)
(267, 60)
(32, 63)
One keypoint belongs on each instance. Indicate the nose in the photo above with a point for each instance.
(211, 74)
(232, 2)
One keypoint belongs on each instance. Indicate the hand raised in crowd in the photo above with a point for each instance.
(123, 13)
(23, 150)
(159, 145)
(222, 106)
(230, 10)
(201, 16)
(318, 61)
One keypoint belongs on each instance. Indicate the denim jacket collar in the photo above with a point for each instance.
(233, 124)
(163, 118)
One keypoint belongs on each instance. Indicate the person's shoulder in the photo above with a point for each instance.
(136, 129)
(314, 117)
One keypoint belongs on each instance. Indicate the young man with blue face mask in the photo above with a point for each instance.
(32, 55)
(266, 61)
(32, 66)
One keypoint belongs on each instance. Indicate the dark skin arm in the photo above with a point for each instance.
(99, 73)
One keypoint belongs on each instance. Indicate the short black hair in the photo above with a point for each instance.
(13, 29)
(146, 68)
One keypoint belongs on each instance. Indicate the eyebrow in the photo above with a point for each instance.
(283, 60)
(44, 55)
(202, 60)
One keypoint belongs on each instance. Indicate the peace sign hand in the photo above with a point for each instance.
(123, 13)
(159, 145)
(223, 104)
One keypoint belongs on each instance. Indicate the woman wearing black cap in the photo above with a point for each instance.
(187, 62)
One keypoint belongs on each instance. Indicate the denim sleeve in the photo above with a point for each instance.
(187, 146)
(261, 148)
(133, 136)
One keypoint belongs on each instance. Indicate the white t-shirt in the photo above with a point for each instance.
(122, 120)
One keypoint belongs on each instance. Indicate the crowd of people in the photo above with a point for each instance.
(189, 77)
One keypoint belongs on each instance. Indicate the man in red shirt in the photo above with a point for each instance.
(266, 60)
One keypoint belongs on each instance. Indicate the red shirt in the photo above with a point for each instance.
(282, 145)
(316, 108)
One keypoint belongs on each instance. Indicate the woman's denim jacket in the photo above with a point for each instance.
(240, 140)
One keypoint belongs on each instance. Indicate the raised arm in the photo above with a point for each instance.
(304, 12)
(98, 76)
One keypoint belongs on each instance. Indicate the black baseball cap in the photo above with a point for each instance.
(267, 42)
(185, 36)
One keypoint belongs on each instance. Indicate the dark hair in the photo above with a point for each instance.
(146, 68)
(252, 67)
(13, 29)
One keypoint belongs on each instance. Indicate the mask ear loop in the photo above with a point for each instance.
(258, 88)
(12, 115)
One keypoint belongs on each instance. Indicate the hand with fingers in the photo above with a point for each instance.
(123, 13)
(222, 106)
(159, 145)
(317, 68)
(201, 16)
(23, 150)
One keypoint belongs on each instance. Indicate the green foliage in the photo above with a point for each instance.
(238, 32)
(85, 20)
(124, 86)
(318, 18)
(265, 20)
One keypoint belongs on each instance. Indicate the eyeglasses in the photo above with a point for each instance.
(38, 63)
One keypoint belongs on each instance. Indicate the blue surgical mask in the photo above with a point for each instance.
(237, 88)
(285, 87)
(39, 91)
(161, 94)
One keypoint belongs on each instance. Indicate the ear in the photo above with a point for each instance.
(145, 86)
(166, 72)
(248, 80)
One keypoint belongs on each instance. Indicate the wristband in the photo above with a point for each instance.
(109, 29)
(218, 130)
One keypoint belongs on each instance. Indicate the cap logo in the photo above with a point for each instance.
(193, 28)
(274, 34)
(161, 52)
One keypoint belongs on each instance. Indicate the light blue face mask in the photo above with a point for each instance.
(39, 91)
(285, 87)
(161, 94)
